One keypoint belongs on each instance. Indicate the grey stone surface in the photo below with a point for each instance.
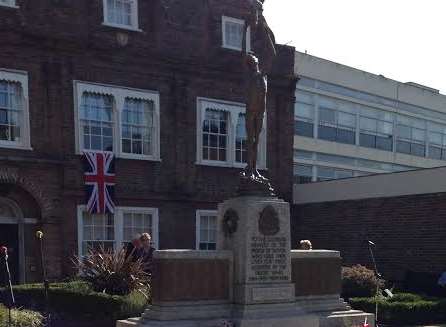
(261, 248)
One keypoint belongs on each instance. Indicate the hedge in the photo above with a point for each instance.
(404, 308)
(77, 299)
(20, 318)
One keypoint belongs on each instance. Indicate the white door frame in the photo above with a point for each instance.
(19, 220)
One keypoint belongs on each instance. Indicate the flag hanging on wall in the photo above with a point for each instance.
(99, 177)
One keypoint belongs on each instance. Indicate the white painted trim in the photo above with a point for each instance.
(20, 77)
(119, 226)
(19, 220)
(226, 19)
(146, 210)
(134, 17)
(233, 109)
(119, 95)
(12, 4)
(198, 215)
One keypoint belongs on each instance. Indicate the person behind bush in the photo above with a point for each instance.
(305, 245)
(134, 248)
(147, 251)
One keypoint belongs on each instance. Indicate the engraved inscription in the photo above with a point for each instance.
(272, 294)
(268, 259)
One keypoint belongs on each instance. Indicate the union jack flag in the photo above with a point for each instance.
(99, 177)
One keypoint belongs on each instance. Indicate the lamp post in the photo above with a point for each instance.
(378, 275)
(11, 301)
(46, 284)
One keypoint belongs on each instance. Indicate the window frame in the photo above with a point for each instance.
(227, 19)
(134, 17)
(21, 77)
(233, 109)
(10, 4)
(198, 214)
(119, 94)
(118, 221)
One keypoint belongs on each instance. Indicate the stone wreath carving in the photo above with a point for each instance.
(269, 223)
(230, 222)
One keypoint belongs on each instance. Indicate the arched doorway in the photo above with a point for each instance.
(12, 236)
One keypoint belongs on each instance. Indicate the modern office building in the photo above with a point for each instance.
(352, 123)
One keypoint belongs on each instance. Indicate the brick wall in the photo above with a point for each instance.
(408, 231)
(179, 54)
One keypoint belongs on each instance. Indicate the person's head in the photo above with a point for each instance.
(145, 239)
(136, 241)
(306, 245)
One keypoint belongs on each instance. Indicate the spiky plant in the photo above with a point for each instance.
(112, 272)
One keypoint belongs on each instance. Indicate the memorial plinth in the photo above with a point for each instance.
(256, 229)
(260, 243)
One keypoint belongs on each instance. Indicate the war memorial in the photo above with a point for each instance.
(253, 278)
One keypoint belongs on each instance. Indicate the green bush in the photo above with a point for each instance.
(404, 309)
(20, 318)
(359, 281)
(77, 299)
(113, 272)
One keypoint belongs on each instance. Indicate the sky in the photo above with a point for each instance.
(403, 40)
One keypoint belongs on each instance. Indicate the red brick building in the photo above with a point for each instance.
(156, 82)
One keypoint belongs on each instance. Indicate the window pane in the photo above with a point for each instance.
(345, 136)
(384, 143)
(11, 111)
(403, 147)
(303, 128)
(217, 133)
(385, 128)
(98, 230)
(96, 127)
(234, 34)
(435, 152)
(240, 140)
(367, 140)
(327, 115)
(324, 173)
(347, 120)
(327, 133)
(404, 131)
(304, 111)
(137, 126)
(120, 12)
(368, 124)
(418, 149)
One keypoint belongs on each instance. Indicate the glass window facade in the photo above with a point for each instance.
(313, 166)
(352, 123)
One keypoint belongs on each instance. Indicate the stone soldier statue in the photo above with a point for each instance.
(258, 63)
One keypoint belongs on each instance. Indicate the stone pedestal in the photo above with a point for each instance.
(257, 231)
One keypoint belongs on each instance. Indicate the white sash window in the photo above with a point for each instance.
(121, 13)
(117, 119)
(14, 114)
(221, 134)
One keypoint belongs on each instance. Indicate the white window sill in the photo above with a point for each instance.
(124, 27)
(224, 46)
(225, 165)
(9, 6)
(126, 156)
(138, 157)
(15, 146)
